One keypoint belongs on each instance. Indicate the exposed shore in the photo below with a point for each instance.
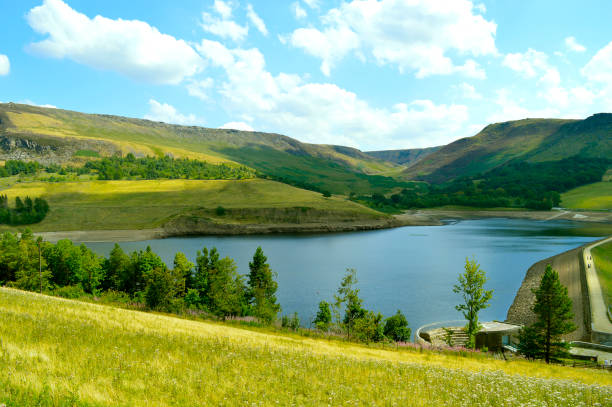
(425, 217)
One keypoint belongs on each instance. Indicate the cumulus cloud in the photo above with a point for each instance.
(224, 28)
(324, 112)
(130, 47)
(511, 107)
(200, 88)
(5, 65)
(237, 126)
(467, 91)
(599, 68)
(29, 102)
(529, 63)
(163, 112)
(415, 36)
(573, 45)
(224, 9)
(256, 20)
(298, 10)
(313, 3)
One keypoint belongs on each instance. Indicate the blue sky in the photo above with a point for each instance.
(372, 74)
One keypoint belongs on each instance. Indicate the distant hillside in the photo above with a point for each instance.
(403, 157)
(493, 146)
(61, 136)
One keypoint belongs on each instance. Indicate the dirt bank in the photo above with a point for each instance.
(432, 217)
(201, 228)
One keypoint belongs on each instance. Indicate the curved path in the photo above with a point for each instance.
(601, 327)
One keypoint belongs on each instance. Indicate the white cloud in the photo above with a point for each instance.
(200, 88)
(512, 108)
(313, 3)
(467, 91)
(223, 8)
(573, 45)
(256, 20)
(5, 65)
(324, 112)
(29, 102)
(414, 36)
(530, 63)
(224, 28)
(599, 68)
(298, 10)
(130, 47)
(163, 112)
(237, 126)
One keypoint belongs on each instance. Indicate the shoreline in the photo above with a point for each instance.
(423, 217)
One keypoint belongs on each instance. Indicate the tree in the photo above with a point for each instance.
(262, 288)
(226, 289)
(396, 328)
(553, 308)
(323, 318)
(183, 268)
(349, 295)
(116, 269)
(31, 272)
(368, 327)
(475, 297)
(161, 288)
(529, 343)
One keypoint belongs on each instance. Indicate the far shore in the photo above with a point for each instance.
(423, 217)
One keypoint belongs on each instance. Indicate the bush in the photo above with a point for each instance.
(292, 322)
(396, 328)
(72, 292)
(220, 211)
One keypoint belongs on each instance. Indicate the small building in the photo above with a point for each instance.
(497, 335)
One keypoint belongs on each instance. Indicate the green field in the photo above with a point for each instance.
(595, 196)
(109, 205)
(602, 256)
(61, 352)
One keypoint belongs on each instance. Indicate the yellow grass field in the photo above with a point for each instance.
(62, 352)
(108, 205)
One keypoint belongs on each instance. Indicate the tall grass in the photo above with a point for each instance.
(62, 352)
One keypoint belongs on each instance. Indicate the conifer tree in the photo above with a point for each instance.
(262, 288)
(553, 308)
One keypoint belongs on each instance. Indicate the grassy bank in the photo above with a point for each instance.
(57, 352)
(595, 196)
(109, 205)
(602, 256)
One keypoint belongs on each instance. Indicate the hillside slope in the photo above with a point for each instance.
(55, 135)
(532, 140)
(61, 352)
(189, 206)
(403, 157)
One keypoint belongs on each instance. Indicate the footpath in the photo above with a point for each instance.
(601, 327)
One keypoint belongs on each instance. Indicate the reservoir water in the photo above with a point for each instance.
(411, 268)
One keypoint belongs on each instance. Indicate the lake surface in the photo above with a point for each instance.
(411, 268)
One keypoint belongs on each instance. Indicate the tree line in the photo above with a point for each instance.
(210, 286)
(25, 212)
(121, 167)
(517, 184)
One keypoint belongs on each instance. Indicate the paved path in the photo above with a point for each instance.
(599, 318)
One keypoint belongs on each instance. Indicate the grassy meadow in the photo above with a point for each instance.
(62, 352)
(596, 196)
(109, 205)
(602, 256)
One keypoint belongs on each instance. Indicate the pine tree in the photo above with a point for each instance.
(262, 288)
(553, 308)
(475, 297)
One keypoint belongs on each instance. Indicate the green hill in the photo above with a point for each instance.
(403, 157)
(531, 140)
(61, 136)
(57, 352)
